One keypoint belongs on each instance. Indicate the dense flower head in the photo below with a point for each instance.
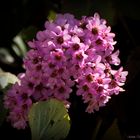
(66, 53)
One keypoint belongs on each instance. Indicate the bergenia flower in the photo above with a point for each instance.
(67, 53)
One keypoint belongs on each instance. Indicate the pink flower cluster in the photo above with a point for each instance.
(68, 52)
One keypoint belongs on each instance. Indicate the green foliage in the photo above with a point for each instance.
(113, 132)
(49, 120)
(5, 56)
(28, 33)
(22, 21)
(20, 40)
(105, 130)
(51, 15)
(19, 46)
(6, 79)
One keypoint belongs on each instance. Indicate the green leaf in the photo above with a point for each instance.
(20, 41)
(28, 33)
(49, 120)
(113, 132)
(6, 79)
(19, 46)
(5, 56)
(52, 15)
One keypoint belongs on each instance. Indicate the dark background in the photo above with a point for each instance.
(120, 119)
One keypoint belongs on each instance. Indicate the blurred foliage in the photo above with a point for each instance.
(113, 132)
(22, 19)
(6, 79)
(49, 120)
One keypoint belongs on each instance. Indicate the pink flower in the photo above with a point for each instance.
(113, 58)
(18, 118)
(67, 53)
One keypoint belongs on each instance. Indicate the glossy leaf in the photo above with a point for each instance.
(49, 120)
